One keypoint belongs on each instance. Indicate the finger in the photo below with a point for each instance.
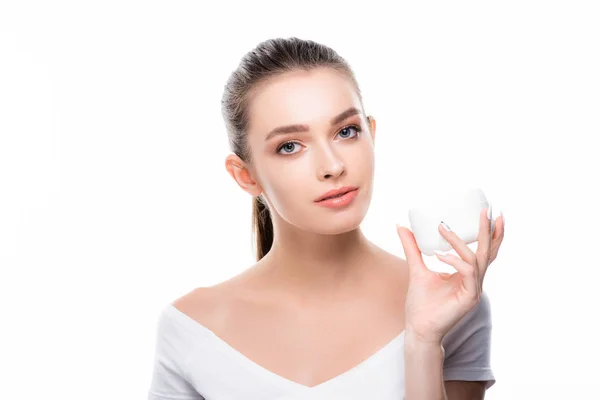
(458, 244)
(497, 238)
(414, 258)
(468, 272)
(484, 240)
(445, 276)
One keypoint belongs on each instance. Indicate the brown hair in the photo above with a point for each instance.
(268, 59)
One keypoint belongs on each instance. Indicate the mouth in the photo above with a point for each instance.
(335, 197)
(339, 201)
(334, 194)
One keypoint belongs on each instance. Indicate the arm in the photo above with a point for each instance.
(463, 390)
(424, 363)
(436, 305)
(458, 368)
(467, 367)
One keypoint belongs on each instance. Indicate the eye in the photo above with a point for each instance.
(344, 131)
(286, 145)
(355, 127)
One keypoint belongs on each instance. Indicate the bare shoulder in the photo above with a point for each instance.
(207, 305)
(197, 303)
(211, 305)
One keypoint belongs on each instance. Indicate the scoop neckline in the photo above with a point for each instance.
(226, 349)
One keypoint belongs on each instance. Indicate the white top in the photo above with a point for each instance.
(192, 362)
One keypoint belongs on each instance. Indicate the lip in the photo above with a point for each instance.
(342, 190)
(339, 202)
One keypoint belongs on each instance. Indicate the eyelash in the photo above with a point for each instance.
(356, 127)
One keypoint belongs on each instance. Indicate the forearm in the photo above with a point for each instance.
(423, 369)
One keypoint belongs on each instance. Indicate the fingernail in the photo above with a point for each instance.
(489, 213)
(446, 227)
(502, 215)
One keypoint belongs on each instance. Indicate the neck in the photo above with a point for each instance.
(306, 265)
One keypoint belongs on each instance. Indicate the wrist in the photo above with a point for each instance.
(423, 352)
(416, 342)
(414, 337)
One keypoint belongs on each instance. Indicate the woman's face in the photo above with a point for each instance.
(295, 168)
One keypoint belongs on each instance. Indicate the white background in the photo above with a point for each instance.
(115, 199)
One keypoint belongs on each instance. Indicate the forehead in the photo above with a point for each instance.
(302, 97)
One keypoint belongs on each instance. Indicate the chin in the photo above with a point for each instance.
(336, 222)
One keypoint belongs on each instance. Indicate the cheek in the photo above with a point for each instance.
(288, 187)
(363, 163)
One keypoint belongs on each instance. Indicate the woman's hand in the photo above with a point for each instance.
(435, 302)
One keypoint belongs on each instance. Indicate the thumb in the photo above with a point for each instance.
(414, 258)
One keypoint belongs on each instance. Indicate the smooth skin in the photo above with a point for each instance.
(324, 298)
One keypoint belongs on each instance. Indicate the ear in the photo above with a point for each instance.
(372, 127)
(240, 172)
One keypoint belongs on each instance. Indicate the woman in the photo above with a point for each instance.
(324, 312)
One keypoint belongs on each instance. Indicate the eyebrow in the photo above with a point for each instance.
(282, 130)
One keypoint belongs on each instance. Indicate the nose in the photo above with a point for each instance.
(331, 166)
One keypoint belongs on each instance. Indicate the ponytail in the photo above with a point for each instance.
(262, 227)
